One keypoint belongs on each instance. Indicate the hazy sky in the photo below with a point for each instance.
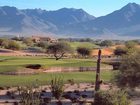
(94, 7)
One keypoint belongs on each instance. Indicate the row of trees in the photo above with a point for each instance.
(57, 49)
(61, 48)
(14, 43)
(9, 44)
(103, 43)
(99, 41)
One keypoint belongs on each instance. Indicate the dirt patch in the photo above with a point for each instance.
(105, 52)
(76, 91)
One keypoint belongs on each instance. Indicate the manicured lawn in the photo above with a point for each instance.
(44, 78)
(82, 44)
(15, 63)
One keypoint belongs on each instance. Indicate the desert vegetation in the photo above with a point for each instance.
(38, 71)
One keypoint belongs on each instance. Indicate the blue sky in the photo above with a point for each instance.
(94, 7)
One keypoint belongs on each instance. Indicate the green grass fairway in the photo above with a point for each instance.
(82, 44)
(45, 78)
(15, 63)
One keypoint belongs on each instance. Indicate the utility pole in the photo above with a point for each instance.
(98, 82)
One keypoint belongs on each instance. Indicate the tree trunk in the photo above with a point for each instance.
(58, 57)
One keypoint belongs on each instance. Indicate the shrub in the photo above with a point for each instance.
(5, 43)
(111, 97)
(129, 71)
(83, 51)
(71, 81)
(2, 88)
(130, 44)
(106, 43)
(1, 41)
(57, 87)
(30, 96)
(13, 45)
(119, 51)
(43, 45)
(116, 65)
(28, 41)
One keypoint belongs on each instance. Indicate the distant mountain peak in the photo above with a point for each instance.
(71, 10)
(9, 8)
(133, 4)
(66, 8)
(70, 16)
(131, 7)
(70, 21)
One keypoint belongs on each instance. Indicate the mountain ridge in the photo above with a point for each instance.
(70, 22)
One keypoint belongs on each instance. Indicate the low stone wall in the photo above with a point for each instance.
(53, 70)
(21, 72)
(74, 69)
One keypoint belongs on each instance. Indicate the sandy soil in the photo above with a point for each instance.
(105, 52)
(77, 91)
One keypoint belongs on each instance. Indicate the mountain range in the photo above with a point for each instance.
(70, 22)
